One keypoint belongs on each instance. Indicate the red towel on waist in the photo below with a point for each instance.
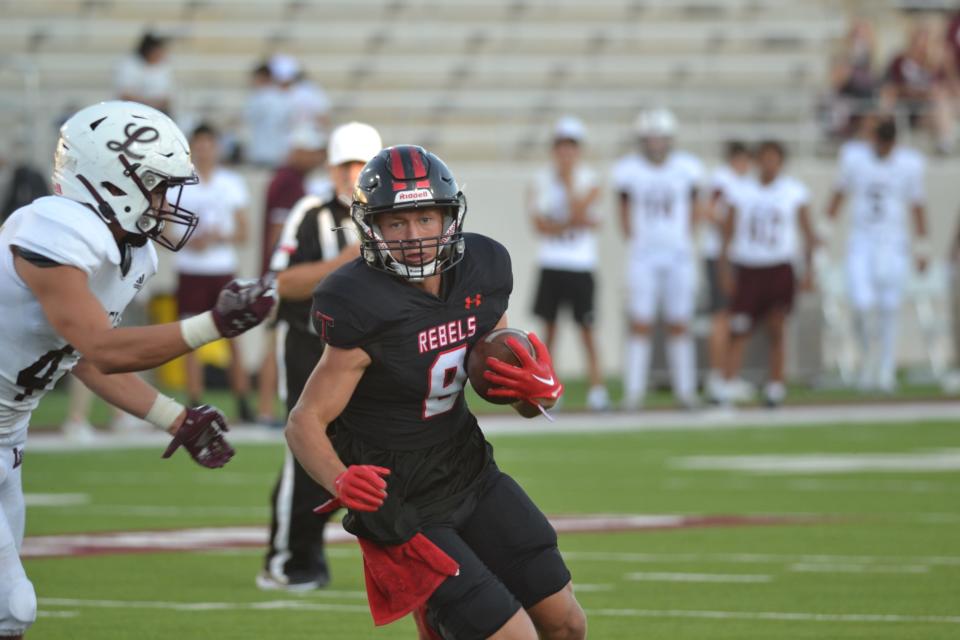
(400, 578)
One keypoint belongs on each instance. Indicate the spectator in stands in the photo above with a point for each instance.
(309, 104)
(853, 81)
(307, 153)
(267, 116)
(917, 84)
(562, 202)
(145, 76)
(726, 183)
(209, 261)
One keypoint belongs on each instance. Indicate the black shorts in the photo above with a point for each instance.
(559, 288)
(717, 300)
(508, 557)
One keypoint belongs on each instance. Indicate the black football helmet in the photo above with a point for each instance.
(401, 178)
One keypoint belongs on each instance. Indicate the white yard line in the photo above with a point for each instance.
(811, 463)
(578, 423)
(757, 558)
(772, 615)
(823, 567)
(662, 576)
(302, 605)
(306, 605)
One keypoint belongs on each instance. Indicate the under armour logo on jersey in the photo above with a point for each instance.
(139, 134)
(472, 301)
(17, 457)
(326, 323)
(138, 285)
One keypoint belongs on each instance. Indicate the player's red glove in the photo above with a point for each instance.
(533, 380)
(243, 304)
(360, 488)
(201, 434)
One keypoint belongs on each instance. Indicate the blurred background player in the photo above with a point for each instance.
(760, 239)
(657, 190)
(318, 237)
(209, 261)
(307, 153)
(562, 202)
(725, 184)
(883, 185)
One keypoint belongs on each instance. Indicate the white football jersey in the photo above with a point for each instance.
(659, 199)
(765, 231)
(34, 356)
(881, 190)
(728, 184)
(574, 249)
(216, 203)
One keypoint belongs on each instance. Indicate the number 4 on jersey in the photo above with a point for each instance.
(38, 375)
(446, 378)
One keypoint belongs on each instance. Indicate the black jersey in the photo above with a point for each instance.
(411, 395)
(408, 411)
(315, 230)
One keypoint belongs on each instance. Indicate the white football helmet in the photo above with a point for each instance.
(124, 159)
(655, 123)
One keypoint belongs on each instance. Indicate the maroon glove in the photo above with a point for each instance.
(360, 488)
(243, 304)
(533, 380)
(201, 434)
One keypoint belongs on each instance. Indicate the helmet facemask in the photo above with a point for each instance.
(128, 162)
(396, 256)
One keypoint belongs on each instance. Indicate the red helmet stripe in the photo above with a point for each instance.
(419, 171)
(396, 164)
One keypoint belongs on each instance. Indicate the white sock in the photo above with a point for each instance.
(636, 367)
(887, 365)
(683, 366)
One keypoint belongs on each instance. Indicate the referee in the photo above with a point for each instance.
(317, 238)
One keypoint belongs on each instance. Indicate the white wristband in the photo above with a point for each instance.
(163, 412)
(922, 248)
(199, 330)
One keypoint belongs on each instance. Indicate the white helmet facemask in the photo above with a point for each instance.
(129, 162)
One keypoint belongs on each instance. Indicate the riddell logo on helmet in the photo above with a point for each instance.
(413, 194)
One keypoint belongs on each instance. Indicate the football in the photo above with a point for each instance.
(494, 345)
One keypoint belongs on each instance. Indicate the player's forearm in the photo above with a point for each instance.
(299, 281)
(126, 391)
(134, 348)
(307, 438)
(833, 208)
(919, 222)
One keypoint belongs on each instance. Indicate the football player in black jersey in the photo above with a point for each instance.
(383, 425)
(316, 239)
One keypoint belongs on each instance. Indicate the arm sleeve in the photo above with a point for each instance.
(334, 320)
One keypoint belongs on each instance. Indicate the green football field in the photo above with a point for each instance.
(841, 531)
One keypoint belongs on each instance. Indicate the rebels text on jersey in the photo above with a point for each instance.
(411, 395)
